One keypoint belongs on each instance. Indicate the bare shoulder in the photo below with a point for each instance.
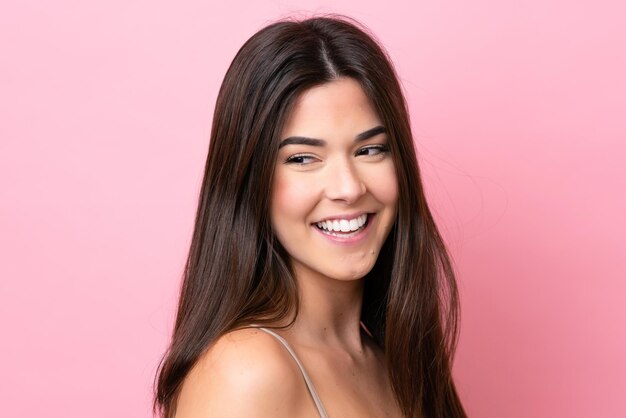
(245, 373)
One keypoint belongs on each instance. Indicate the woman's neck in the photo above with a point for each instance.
(330, 311)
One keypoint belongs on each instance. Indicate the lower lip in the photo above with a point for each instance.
(353, 239)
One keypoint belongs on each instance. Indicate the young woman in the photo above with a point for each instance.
(317, 283)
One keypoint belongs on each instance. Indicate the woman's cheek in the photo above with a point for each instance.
(383, 183)
(294, 195)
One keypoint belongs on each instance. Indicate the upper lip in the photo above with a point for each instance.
(343, 216)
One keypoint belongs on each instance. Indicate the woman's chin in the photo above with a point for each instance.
(350, 274)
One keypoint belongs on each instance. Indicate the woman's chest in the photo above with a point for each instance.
(353, 389)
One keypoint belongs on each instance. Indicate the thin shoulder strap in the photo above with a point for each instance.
(307, 379)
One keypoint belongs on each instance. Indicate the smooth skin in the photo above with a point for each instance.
(345, 170)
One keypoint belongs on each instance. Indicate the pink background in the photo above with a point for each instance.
(519, 115)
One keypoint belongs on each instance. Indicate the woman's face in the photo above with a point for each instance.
(335, 189)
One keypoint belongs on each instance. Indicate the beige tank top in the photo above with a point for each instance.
(307, 379)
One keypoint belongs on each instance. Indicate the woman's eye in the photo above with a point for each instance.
(373, 150)
(300, 159)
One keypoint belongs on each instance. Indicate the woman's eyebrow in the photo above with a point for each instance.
(370, 133)
(302, 140)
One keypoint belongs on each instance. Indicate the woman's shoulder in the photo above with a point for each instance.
(246, 372)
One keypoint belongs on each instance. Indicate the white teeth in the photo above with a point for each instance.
(343, 225)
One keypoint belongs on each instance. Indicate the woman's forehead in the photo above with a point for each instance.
(337, 107)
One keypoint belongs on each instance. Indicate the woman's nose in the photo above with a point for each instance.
(344, 183)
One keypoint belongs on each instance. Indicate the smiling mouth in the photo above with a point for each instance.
(344, 228)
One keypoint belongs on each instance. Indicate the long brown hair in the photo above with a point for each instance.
(237, 273)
